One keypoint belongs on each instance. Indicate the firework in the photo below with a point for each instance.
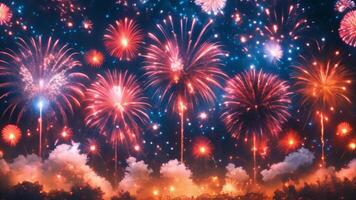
(11, 134)
(5, 14)
(290, 141)
(256, 105)
(182, 67)
(342, 5)
(343, 129)
(41, 74)
(352, 146)
(94, 58)
(211, 6)
(347, 30)
(202, 147)
(273, 51)
(87, 25)
(284, 21)
(123, 39)
(322, 85)
(92, 147)
(66, 133)
(115, 105)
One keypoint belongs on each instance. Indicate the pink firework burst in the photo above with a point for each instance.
(256, 103)
(181, 66)
(115, 104)
(342, 5)
(41, 73)
(5, 14)
(123, 39)
(347, 30)
(211, 6)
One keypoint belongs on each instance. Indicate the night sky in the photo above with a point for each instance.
(243, 46)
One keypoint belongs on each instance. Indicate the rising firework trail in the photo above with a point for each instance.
(323, 85)
(116, 106)
(183, 67)
(40, 74)
(256, 105)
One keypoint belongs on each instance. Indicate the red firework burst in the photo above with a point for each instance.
(123, 39)
(343, 129)
(182, 67)
(116, 106)
(202, 147)
(5, 14)
(94, 58)
(11, 134)
(290, 141)
(347, 30)
(256, 103)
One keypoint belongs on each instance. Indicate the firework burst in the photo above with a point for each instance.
(11, 134)
(116, 106)
(290, 141)
(322, 85)
(41, 74)
(342, 5)
(202, 147)
(123, 39)
(183, 67)
(211, 6)
(284, 21)
(5, 14)
(347, 30)
(94, 58)
(343, 129)
(256, 105)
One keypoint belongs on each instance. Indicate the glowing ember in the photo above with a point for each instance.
(343, 129)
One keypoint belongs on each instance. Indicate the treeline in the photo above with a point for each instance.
(322, 190)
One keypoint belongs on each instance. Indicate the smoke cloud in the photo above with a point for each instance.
(137, 176)
(349, 171)
(179, 180)
(236, 179)
(64, 168)
(291, 163)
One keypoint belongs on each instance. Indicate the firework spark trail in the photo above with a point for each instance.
(284, 21)
(256, 105)
(322, 85)
(123, 39)
(115, 105)
(183, 67)
(42, 74)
